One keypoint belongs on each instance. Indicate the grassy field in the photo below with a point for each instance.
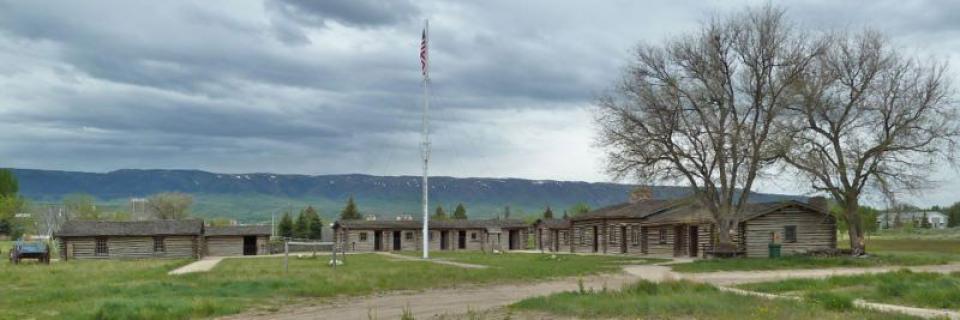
(686, 300)
(805, 262)
(143, 290)
(930, 290)
(884, 252)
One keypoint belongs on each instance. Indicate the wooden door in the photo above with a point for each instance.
(250, 245)
(462, 239)
(694, 243)
(396, 240)
(623, 239)
(377, 240)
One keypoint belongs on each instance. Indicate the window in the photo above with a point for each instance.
(101, 248)
(473, 236)
(636, 235)
(430, 235)
(563, 235)
(790, 234)
(663, 235)
(158, 245)
(363, 236)
(409, 235)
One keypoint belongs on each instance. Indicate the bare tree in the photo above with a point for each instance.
(703, 109)
(169, 205)
(868, 118)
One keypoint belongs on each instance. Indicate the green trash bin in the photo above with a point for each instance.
(774, 250)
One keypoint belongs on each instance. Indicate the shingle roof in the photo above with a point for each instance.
(243, 230)
(639, 209)
(553, 223)
(82, 228)
(434, 224)
(692, 212)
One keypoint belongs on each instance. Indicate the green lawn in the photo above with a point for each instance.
(143, 290)
(806, 262)
(686, 300)
(930, 290)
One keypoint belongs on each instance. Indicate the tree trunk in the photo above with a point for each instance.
(855, 228)
(724, 241)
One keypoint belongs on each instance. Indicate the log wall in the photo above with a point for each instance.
(132, 247)
(815, 231)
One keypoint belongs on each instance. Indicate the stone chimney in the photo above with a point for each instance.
(819, 202)
(641, 193)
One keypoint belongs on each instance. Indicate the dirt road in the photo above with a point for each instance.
(436, 303)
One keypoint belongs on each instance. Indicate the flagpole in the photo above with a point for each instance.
(425, 133)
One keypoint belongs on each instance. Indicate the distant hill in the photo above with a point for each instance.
(254, 197)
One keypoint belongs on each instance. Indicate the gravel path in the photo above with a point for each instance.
(202, 265)
(434, 260)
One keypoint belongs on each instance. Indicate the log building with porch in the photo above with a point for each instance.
(452, 235)
(683, 228)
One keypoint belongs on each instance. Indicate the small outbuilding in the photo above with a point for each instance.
(240, 240)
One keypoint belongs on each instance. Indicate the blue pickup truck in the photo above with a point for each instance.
(30, 250)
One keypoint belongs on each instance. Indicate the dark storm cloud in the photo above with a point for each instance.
(363, 13)
(334, 86)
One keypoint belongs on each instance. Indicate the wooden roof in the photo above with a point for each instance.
(692, 212)
(240, 230)
(83, 228)
(434, 224)
(638, 209)
(552, 223)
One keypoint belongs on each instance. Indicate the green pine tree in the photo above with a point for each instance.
(8, 183)
(460, 212)
(548, 214)
(350, 212)
(286, 226)
(302, 228)
(439, 214)
(315, 229)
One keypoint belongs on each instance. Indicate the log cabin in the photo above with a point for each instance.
(80, 239)
(683, 228)
(237, 240)
(444, 235)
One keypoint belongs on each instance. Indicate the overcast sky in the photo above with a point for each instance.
(322, 87)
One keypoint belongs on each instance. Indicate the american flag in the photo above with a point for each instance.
(423, 53)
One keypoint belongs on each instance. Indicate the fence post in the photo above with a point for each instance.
(286, 256)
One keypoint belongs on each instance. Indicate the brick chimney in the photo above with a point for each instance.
(641, 193)
(819, 202)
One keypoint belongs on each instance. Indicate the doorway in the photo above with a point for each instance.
(540, 239)
(378, 240)
(396, 241)
(623, 239)
(461, 239)
(556, 240)
(643, 240)
(679, 239)
(514, 239)
(443, 240)
(250, 245)
(596, 239)
(694, 236)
